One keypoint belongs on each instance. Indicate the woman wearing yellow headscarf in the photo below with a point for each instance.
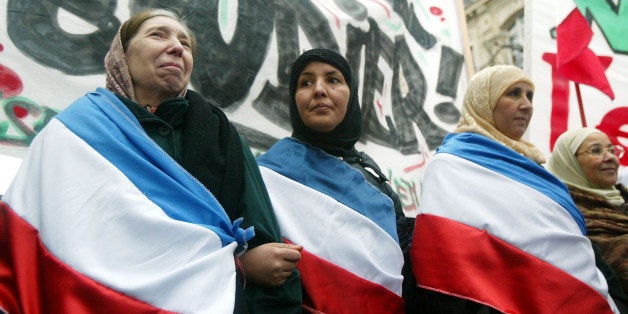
(491, 219)
(587, 161)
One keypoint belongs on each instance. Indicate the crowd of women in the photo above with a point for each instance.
(159, 203)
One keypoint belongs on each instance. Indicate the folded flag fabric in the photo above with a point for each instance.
(100, 219)
(351, 261)
(498, 229)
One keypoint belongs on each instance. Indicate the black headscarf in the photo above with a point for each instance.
(212, 152)
(339, 141)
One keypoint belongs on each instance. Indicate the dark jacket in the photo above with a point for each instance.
(405, 225)
(607, 227)
(373, 174)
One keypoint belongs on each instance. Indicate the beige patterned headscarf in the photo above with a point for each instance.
(565, 165)
(118, 78)
(484, 89)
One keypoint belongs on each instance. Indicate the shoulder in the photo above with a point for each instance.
(577, 193)
(200, 104)
(587, 201)
(623, 190)
(367, 159)
(196, 98)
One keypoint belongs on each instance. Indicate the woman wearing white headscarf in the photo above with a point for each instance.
(492, 219)
(587, 161)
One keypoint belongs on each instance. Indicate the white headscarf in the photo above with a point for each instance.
(483, 92)
(565, 165)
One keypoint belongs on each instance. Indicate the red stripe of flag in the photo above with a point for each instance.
(331, 289)
(32, 280)
(470, 263)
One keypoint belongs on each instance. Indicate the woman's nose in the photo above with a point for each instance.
(176, 47)
(525, 104)
(319, 88)
(608, 154)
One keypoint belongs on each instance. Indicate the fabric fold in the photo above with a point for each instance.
(345, 238)
(494, 245)
(119, 213)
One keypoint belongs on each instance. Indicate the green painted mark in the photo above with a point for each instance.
(612, 20)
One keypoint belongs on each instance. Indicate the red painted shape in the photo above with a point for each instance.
(612, 124)
(10, 82)
(418, 165)
(20, 111)
(436, 10)
(560, 101)
(384, 6)
(575, 60)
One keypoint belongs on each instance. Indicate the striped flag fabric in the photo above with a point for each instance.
(100, 219)
(351, 261)
(498, 229)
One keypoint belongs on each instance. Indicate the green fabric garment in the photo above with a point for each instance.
(255, 204)
(260, 214)
(164, 127)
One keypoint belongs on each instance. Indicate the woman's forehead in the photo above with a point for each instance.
(318, 63)
(315, 67)
(164, 23)
(596, 138)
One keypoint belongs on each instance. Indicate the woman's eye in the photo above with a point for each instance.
(529, 95)
(186, 44)
(596, 150)
(514, 92)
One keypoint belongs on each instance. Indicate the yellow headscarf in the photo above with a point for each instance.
(484, 89)
(565, 165)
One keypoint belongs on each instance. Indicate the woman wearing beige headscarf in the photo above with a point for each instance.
(492, 219)
(587, 161)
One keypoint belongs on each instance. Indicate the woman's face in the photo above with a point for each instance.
(160, 58)
(322, 96)
(600, 170)
(513, 110)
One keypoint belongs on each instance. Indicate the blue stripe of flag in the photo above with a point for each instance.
(105, 124)
(327, 174)
(502, 159)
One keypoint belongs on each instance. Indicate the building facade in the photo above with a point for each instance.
(495, 29)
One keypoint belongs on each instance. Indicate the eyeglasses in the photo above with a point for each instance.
(598, 151)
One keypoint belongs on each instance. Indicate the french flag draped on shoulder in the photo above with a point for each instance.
(100, 219)
(351, 261)
(496, 228)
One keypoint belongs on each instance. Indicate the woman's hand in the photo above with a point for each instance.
(270, 264)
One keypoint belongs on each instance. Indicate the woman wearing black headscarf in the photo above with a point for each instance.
(332, 199)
